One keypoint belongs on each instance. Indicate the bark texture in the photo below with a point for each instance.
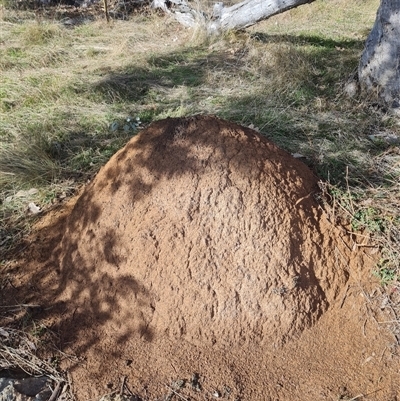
(238, 16)
(249, 12)
(379, 68)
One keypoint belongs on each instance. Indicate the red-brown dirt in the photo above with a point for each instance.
(200, 248)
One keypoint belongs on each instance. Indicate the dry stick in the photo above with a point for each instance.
(344, 243)
(173, 367)
(106, 10)
(365, 395)
(180, 396)
(356, 397)
(129, 390)
(20, 306)
(122, 385)
(383, 353)
(348, 188)
(344, 296)
(389, 321)
(70, 383)
(54, 395)
(334, 210)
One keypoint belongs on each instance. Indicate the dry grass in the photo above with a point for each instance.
(18, 351)
(27, 163)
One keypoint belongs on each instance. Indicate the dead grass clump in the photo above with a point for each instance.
(18, 350)
(26, 163)
(293, 72)
(39, 33)
(18, 353)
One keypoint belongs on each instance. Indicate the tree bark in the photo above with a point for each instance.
(238, 16)
(379, 67)
(249, 12)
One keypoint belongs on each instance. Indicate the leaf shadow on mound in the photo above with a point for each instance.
(48, 282)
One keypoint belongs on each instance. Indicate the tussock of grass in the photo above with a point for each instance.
(25, 162)
(39, 33)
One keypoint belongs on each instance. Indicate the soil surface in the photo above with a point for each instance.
(200, 253)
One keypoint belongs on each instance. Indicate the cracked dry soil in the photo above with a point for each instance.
(200, 248)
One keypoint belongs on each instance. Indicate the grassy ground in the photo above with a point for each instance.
(70, 90)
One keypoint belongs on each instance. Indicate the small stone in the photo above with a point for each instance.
(298, 155)
(351, 89)
(33, 208)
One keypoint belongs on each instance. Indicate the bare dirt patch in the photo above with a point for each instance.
(200, 249)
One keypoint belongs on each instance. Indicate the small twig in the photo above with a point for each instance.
(383, 353)
(20, 306)
(122, 385)
(129, 390)
(389, 321)
(346, 245)
(70, 382)
(173, 367)
(54, 395)
(364, 395)
(106, 11)
(302, 198)
(180, 396)
(344, 296)
(356, 397)
(358, 234)
(363, 328)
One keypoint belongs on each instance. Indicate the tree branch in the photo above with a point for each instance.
(238, 16)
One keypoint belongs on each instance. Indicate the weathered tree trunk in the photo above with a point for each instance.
(249, 12)
(379, 68)
(238, 16)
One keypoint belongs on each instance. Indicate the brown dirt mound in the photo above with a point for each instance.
(200, 248)
(215, 232)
